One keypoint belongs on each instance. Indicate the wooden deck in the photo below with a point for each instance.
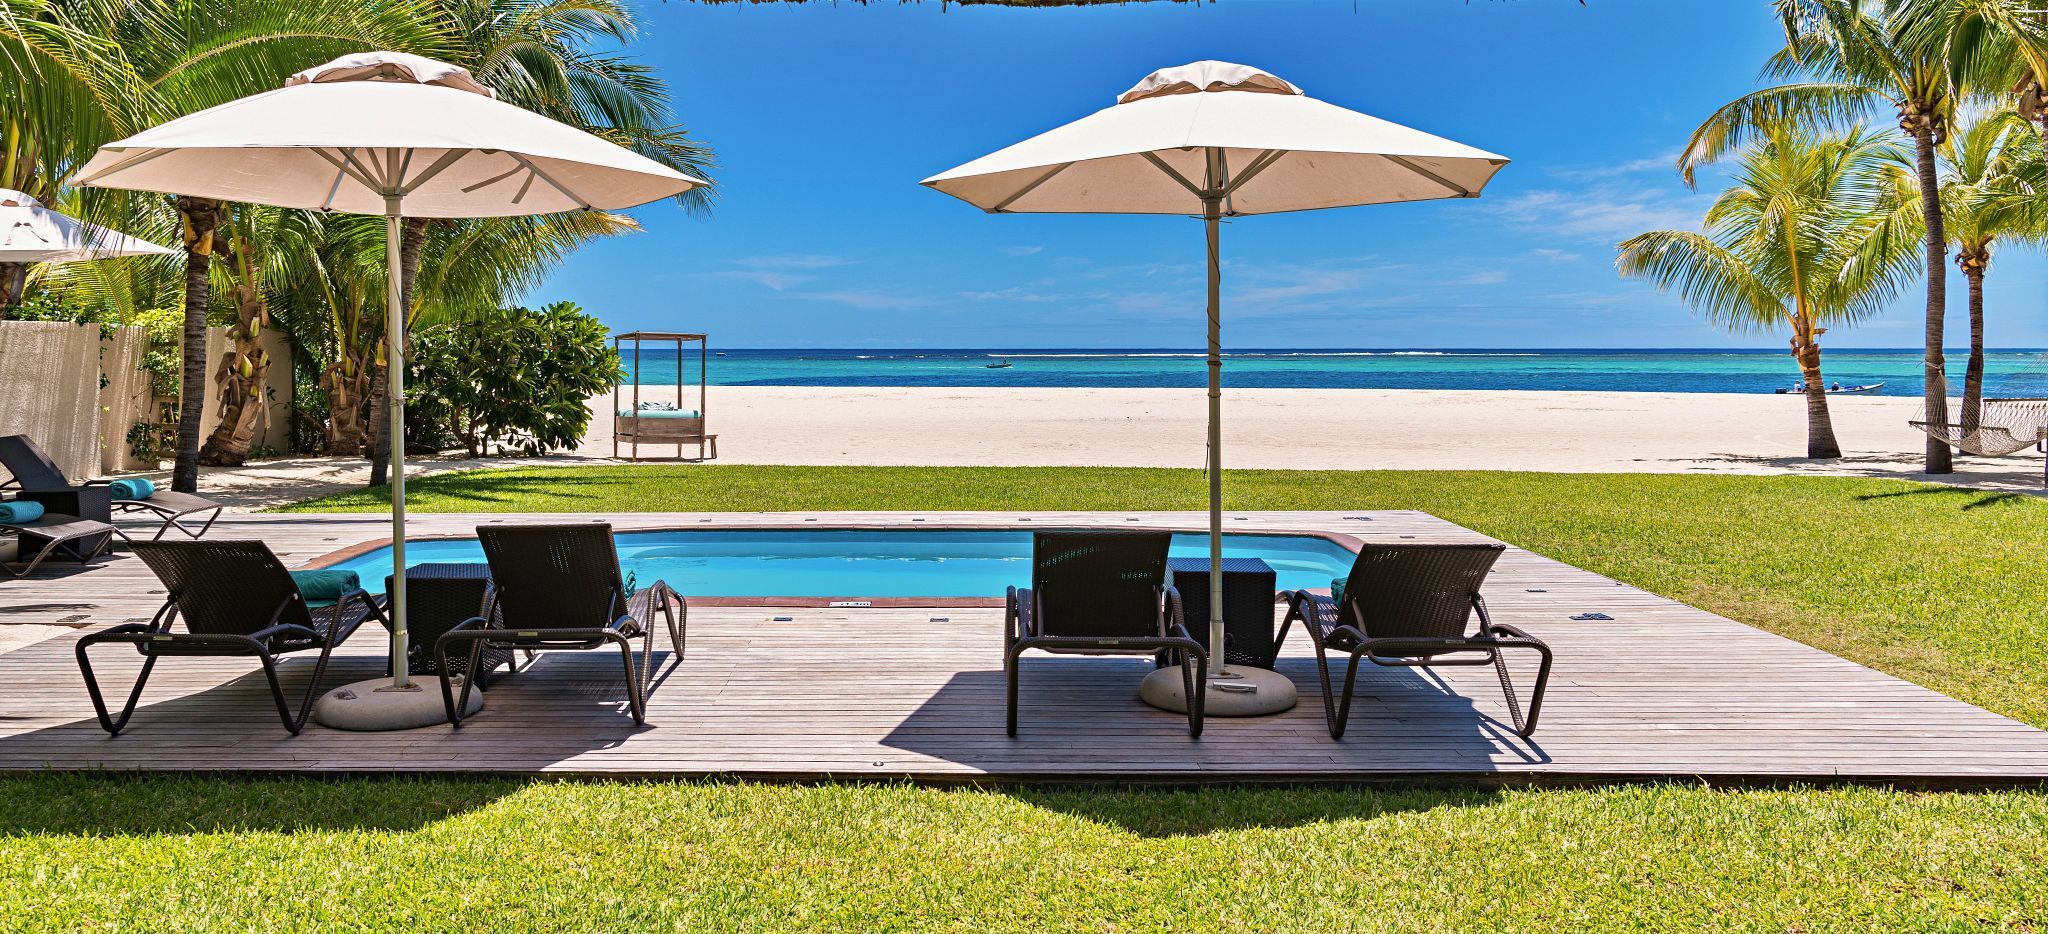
(1663, 690)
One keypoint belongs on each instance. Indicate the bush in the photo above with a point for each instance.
(511, 378)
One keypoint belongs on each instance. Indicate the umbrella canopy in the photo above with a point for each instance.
(352, 133)
(1277, 150)
(1219, 140)
(397, 135)
(31, 233)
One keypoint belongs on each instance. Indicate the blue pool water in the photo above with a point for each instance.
(835, 563)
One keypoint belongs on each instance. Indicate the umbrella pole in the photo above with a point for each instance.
(394, 382)
(1212, 213)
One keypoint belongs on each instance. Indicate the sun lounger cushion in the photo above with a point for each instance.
(323, 587)
(20, 512)
(659, 413)
(132, 488)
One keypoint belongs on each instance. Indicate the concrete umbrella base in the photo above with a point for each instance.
(372, 706)
(1239, 692)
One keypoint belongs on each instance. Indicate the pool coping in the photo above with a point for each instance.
(1351, 543)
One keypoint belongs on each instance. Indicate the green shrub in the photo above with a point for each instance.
(510, 379)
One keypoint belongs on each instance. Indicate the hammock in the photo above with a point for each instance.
(2005, 426)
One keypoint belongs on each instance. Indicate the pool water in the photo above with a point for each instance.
(864, 563)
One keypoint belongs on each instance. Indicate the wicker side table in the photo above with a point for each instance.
(439, 597)
(1247, 607)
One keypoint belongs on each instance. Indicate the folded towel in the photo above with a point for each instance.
(1337, 588)
(20, 512)
(323, 587)
(132, 488)
(658, 413)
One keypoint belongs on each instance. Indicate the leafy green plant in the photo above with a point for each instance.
(511, 378)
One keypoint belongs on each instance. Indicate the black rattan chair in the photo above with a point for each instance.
(235, 598)
(1410, 606)
(558, 587)
(1101, 593)
(34, 473)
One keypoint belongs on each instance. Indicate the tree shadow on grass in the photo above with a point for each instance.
(110, 804)
(1978, 499)
(1165, 813)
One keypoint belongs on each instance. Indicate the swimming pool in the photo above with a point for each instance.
(863, 563)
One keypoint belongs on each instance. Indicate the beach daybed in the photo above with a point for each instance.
(1410, 606)
(235, 599)
(558, 587)
(48, 533)
(1101, 593)
(39, 478)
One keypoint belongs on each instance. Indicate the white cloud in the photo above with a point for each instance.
(1554, 256)
(781, 271)
(870, 299)
(1601, 214)
(766, 277)
(1023, 250)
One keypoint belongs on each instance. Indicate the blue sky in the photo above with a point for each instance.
(824, 118)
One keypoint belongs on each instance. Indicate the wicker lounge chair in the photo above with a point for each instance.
(39, 477)
(1410, 606)
(236, 599)
(1102, 593)
(558, 587)
(51, 534)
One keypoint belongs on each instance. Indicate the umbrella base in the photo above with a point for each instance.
(374, 706)
(1239, 692)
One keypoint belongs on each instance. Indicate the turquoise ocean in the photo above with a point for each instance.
(2010, 372)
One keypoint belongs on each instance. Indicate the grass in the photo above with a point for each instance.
(209, 854)
(1934, 584)
(1938, 585)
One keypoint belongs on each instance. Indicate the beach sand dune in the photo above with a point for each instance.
(1339, 429)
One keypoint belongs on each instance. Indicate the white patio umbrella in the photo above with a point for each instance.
(32, 233)
(1219, 140)
(397, 135)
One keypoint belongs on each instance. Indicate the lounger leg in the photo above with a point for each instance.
(634, 701)
(1343, 714)
(1524, 728)
(1196, 682)
(113, 725)
(33, 562)
(173, 521)
(1010, 667)
(297, 722)
(449, 701)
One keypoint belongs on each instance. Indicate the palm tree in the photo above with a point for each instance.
(1856, 64)
(1989, 194)
(1809, 234)
(541, 55)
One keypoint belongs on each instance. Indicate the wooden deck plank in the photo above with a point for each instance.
(1662, 690)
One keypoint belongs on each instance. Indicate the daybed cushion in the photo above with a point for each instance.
(658, 413)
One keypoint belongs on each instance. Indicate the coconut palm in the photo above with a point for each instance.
(542, 55)
(1860, 59)
(1808, 234)
(1990, 194)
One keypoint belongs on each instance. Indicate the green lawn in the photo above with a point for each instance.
(209, 854)
(1938, 585)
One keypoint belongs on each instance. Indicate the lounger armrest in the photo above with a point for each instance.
(1171, 617)
(1515, 633)
(96, 483)
(1021, 619)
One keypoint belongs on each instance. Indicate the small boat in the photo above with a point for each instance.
(996, 366)
(1837, 388)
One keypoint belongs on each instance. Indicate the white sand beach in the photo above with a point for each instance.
(1342, 429)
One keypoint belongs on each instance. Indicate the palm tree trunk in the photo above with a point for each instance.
(1820, 429)
(13, 282)
(201, 219)
(1973, 375)
(1935, 394)
(409, 244)
(244, 371)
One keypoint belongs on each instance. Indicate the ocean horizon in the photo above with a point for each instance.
(2008, 371)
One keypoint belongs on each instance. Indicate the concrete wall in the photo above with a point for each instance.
(50, 390)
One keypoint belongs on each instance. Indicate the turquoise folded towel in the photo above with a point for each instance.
(20, 512)
(1337, 588)
(132, 488)
(325, 586)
